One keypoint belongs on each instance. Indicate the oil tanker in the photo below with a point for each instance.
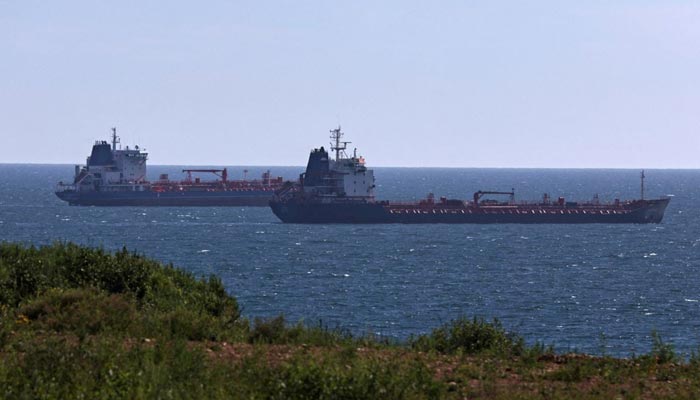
(341, 190)
(117, 177)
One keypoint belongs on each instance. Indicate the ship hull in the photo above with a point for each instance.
(168, 199)
(641, 211)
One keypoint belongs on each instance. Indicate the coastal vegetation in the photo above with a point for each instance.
(78, 322)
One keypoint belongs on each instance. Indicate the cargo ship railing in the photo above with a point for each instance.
(512, 205)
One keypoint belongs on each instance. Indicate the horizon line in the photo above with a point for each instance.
(376, 166)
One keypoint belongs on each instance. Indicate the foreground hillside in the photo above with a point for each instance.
(77, 322)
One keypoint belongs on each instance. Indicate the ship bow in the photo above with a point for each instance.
(655, 210)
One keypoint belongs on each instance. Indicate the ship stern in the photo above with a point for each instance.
(68, 196)
(281, 211)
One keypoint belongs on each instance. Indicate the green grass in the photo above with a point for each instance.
(78, 322)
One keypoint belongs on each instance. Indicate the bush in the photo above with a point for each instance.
(269, 331)
(81, 312)
(663, 352)
(68, 287)
(26, 272)
(276, 331)
(470, 337)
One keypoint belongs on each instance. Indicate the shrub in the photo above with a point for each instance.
(68, 287)
(661, 352)
(80, 311)
(470, 337)
(271, 330)
(26, 272)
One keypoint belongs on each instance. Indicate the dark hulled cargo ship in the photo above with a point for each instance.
(117, 177)
(342, 191)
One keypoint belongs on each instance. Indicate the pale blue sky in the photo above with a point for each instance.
(413, 83)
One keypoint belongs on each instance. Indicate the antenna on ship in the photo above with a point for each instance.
(339, 146)
(642, 176)
(115, 139)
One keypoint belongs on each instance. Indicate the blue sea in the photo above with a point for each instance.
(599, 289)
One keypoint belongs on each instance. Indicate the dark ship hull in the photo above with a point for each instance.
(256, 198)
(458, 212)
(341, 191)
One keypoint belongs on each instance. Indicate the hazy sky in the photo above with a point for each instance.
(413, 83)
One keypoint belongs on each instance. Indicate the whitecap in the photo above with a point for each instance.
(691, 300)
(204, 251)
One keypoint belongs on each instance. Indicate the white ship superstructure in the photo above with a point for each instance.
(343, 177)
(109, 168)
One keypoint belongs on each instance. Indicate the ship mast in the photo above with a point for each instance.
(338, 146)
(115, 139)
